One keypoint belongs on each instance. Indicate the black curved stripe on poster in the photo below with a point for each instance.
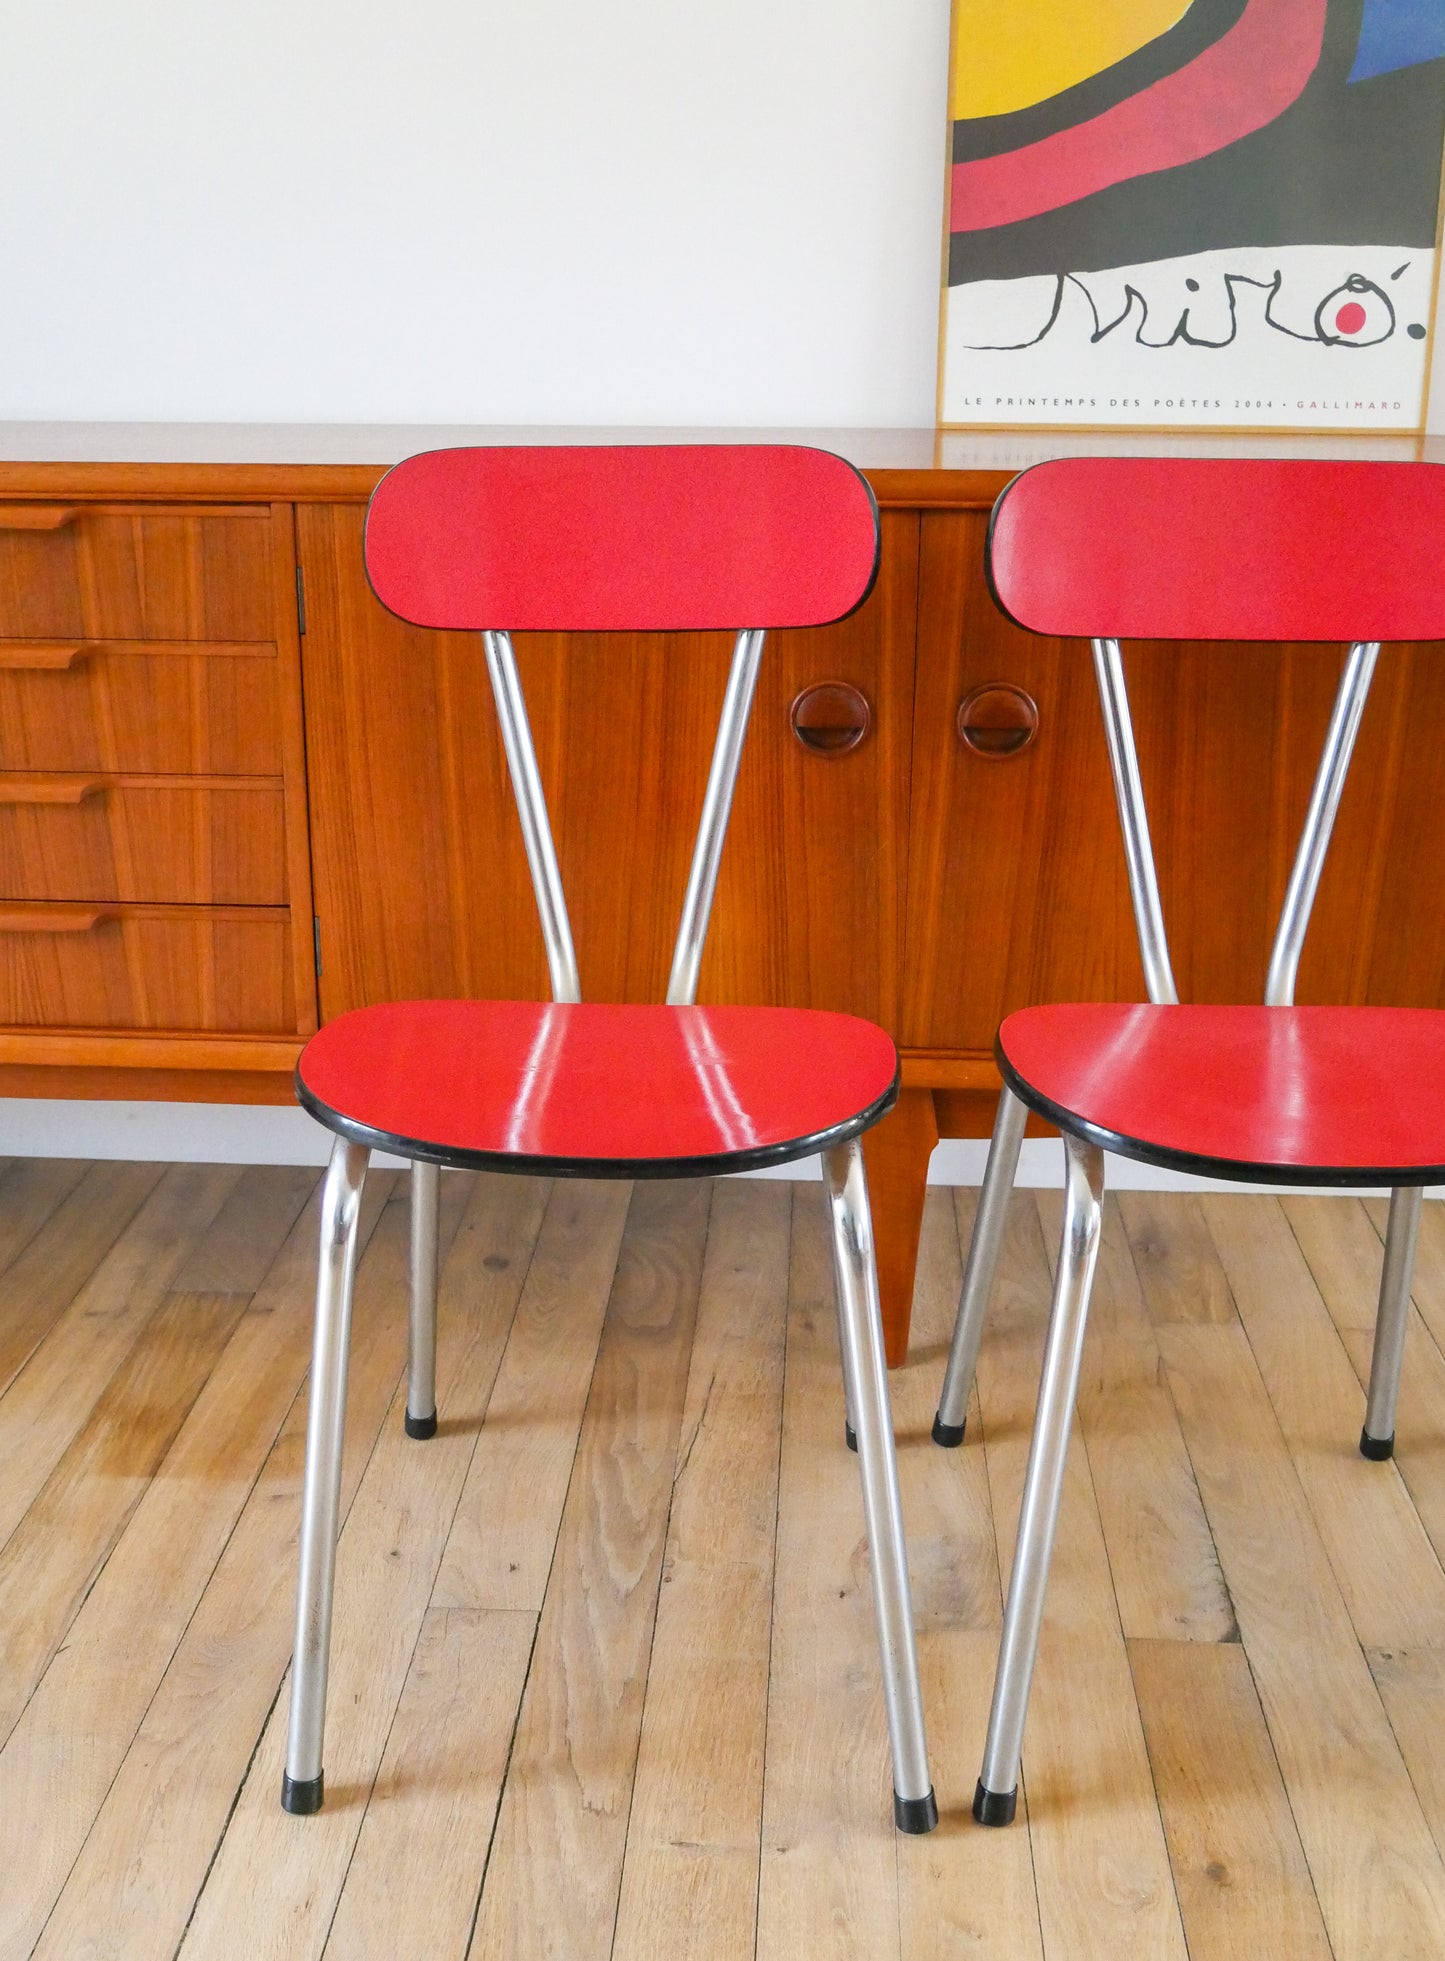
(1201, 26)
(1345, 165)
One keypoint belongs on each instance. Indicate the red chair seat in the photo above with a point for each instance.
(594, 1089)
(1314, 1096)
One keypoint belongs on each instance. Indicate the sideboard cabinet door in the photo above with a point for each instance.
(421, 880)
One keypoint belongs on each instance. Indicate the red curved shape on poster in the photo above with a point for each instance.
(1251, 75)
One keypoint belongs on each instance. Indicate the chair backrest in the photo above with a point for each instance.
(633, 538)
(640, 537)
(1216, 548)
(1222, 548)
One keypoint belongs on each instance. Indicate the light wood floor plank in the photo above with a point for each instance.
(828, 1884)
(1412, 1688)
(690, 1870)
(417, 1868)
(62, 1256)
(30, 1191)
(55, 1553)
(1243, 1881)
(49, 1400)
(1428, 1288)
(1391, 1580)
(1161, 1555)
(1180, 1277)
(413, 1882)
(1378, 1876)
(386, 1563)
(960, 1890)
(1100, 1862)
(1343, 1250)
(159, 1823)
(556, 1864)
(501, 1545)
(1282, 1760)
(51, 1559)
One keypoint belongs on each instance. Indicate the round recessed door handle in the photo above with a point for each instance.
(997, 720)
(830, 718)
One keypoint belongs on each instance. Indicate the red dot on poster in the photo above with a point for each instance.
(1350, 318)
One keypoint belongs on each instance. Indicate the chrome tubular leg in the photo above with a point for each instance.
(717, 804)
(301, 1786)
(1133, 821)
(532, 814)
(421, 1367)
(866, 1370)
(997, 1794)
(1329, 786)
(998, 1182)
(850, 1399)
(1377, 1439)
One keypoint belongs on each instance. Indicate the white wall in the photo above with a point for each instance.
(638, 211)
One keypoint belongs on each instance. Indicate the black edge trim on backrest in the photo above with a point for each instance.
(366, 526)
(998, 504)
(867, 592)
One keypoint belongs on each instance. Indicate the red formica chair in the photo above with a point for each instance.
(649, 538)
(1185, 549)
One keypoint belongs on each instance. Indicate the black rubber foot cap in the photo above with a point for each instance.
(421, 1426)
(915, 1815)
(994, 1807)
(1377, 1449)
(850, 1436)
(950, 1435)
(302, 1797)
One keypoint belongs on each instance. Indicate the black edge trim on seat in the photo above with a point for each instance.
(1229, 1170)
(544, 1167)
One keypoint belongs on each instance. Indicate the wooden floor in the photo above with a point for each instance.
(604, 1677)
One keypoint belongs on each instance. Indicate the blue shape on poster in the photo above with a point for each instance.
(1397, 34)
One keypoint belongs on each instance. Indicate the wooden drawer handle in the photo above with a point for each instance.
(53, 655)
(997, 720)
(37, 517)
(52, 919)
(49, 789)
(830, 718)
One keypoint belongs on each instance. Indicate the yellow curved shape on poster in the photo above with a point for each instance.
(1010, 53)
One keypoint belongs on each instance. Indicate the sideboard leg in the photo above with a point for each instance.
(896, 1154)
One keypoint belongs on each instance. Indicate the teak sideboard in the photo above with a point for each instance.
(236, 797)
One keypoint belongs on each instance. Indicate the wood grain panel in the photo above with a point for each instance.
(136, 967)
(113, 573)
(174, 839)
(145, 706)
(1016, 885)
(422, 885)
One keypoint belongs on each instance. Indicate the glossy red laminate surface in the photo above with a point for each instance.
(1317, 1095)
(634, 537)
(628, 1091)
(1222, 548)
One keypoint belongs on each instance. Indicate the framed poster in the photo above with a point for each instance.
(1192, 213)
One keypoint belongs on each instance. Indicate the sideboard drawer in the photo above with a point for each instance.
(142, 706)
(180, 840)
(111, 573)
(221, 970)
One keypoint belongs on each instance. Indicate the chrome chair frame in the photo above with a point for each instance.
(996, 1796)
(1001, 1169)
(865, 1372)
